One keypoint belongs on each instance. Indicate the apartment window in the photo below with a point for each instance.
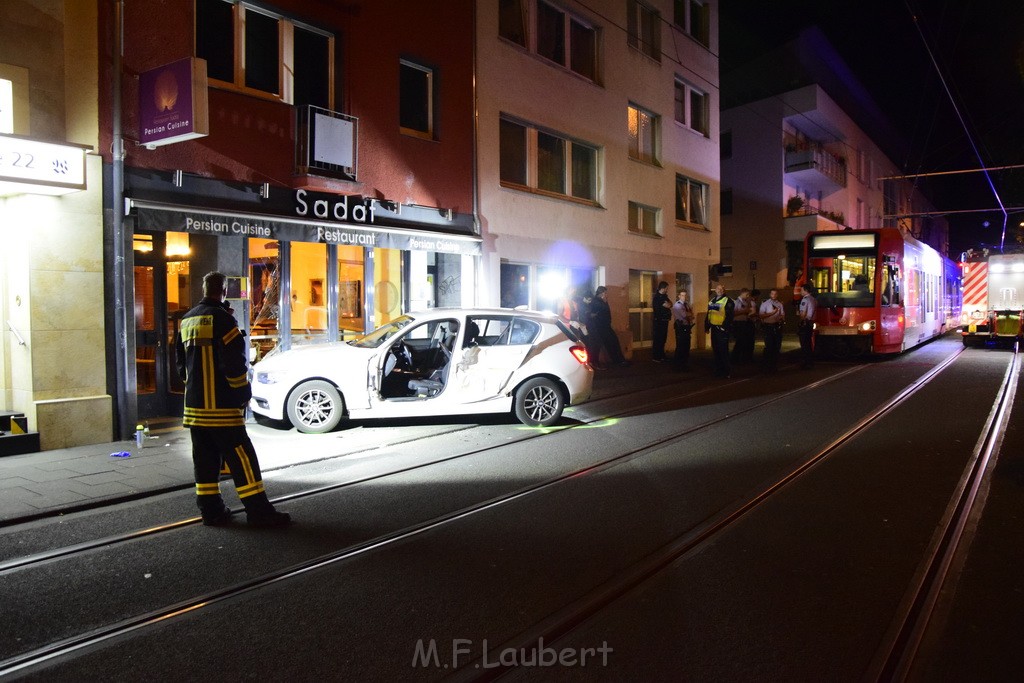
(416, 99)
(725, 145)
(643, 134)
(546, 161)
(643, 219)
(512, 21)
(562, 38)
(691, 202)
(693, 17)
(643, 26)
(692, 107)
(281, 59)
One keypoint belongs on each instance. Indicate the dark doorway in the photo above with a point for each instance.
(162, 296)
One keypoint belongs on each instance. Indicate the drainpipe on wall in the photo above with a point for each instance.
(125, 411)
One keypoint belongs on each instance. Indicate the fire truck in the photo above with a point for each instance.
(993, 300)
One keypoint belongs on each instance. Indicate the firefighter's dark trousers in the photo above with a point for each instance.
(214, 448)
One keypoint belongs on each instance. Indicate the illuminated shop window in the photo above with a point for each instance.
(309, 292)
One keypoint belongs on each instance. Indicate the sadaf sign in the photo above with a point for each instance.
(173, 103)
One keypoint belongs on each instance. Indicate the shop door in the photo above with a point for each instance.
(641, 312)
(162, 296)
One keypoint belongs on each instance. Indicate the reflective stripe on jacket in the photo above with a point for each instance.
(211, 362)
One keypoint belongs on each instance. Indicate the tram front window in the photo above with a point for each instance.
(849, 281)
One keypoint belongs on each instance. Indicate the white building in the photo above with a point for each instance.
(598, 151)
(803, 156)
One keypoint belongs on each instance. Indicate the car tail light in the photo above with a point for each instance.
(580, 353)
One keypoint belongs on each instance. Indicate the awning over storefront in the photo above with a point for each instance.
(202, 221)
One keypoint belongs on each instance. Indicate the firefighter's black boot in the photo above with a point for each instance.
(259, 512)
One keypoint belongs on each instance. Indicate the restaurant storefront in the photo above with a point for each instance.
(306, 268)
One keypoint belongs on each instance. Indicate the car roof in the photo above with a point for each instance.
(454, 311)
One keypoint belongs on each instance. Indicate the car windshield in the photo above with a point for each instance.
(382, 334)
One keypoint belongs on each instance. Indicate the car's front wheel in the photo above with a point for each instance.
(315, 407)
(539, 402)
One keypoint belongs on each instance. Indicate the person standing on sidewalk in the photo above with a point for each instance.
(718, 323)
(662, 315)
(601, 315)
(805, 328)
(210, 358)
(772, 315)
(744, 312)
(682, 316)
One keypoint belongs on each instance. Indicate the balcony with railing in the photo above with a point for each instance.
(326, 143)
(814, 168)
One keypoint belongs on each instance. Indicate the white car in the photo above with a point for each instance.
(436, 362)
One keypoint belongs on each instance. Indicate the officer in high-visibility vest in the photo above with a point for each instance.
(718, 323)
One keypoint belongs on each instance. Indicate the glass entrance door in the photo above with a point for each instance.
(162, 296)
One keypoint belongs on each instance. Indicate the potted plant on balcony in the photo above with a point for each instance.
(794, 205)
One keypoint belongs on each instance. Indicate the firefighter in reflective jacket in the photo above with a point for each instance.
(718, 323)
(210, 357)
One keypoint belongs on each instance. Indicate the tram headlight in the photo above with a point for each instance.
(868, 326)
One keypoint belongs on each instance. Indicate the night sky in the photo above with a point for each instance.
(979, 48)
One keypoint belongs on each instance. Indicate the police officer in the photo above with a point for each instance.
(719, 323)
(743, 327)
(805, 326)
(682, 315)
(210, 358)
(662, 315)
(772, 315)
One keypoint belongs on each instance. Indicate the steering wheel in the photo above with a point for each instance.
(402, 354)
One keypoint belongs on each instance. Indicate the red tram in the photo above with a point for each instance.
(879, 291)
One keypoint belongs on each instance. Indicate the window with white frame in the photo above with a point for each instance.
(546, 161)
(643, 219)
(692, 107)
(693, 18)
(280, 58)
(691, 202)
(643, 28)
(416, 99)
(643, 134)
(563, 38)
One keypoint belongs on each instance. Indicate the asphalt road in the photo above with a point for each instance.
(448, 567)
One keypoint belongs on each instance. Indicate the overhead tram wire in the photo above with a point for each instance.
(963, 123)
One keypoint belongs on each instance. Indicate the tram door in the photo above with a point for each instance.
(162, 296)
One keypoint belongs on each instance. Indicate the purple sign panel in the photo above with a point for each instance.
(172, 103)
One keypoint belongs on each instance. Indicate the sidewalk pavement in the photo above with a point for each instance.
(65, 480)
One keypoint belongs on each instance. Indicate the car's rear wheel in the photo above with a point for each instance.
(315, 407)
(539, 402)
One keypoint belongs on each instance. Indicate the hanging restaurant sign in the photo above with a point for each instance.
(173, 103)
(154, 216)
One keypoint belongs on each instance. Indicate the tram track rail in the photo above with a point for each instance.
(917, 612)
(557, 626)
(66, 647)
(104, 542)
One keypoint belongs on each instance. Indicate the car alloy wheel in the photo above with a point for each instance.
(315, 407)
(539, 402)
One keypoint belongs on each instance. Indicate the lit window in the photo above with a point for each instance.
(281, 59)
(643, 219)
(643, 135)
(692, 108)
(644, 29)
(693, 17)
(691, 202)
(416, 95)
(566, 40)
(546, 161)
